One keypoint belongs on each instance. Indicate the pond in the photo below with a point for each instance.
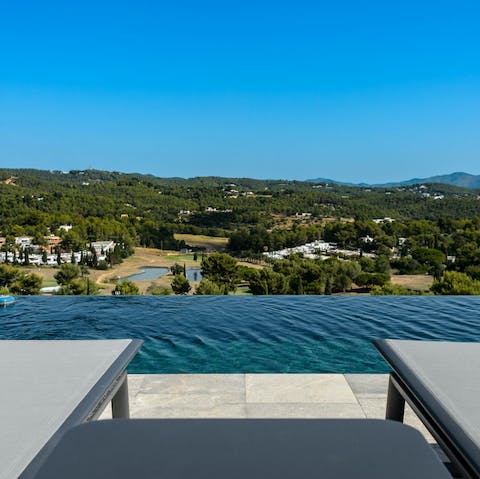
(153, 272)
(148, 272)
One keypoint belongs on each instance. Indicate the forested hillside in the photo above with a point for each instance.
(415, 230)
(146, 209)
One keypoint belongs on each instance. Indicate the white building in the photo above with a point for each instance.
(23, 241)
(102, 247)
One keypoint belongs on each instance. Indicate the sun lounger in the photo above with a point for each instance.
(49, 386)
(243, 448)
(441, 382)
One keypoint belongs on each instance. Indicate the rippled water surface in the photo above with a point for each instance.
(247, 334)
(148, 272)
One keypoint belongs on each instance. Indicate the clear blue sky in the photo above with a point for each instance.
(353, 90)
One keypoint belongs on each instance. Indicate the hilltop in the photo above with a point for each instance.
(460, 179)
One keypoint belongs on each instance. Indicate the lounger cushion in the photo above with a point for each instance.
(48, 386)
(244, 448)
(445, 378)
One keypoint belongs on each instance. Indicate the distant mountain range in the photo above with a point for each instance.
(464, 180)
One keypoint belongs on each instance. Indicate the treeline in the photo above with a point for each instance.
(296, 275)
(131, 205)
(411, 246)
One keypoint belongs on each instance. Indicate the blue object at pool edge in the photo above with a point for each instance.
(6, 300)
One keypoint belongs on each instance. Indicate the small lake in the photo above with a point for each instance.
(148, 272)
(257, 334)
(194, 274)
(153, 272)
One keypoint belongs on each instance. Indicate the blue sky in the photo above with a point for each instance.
(351, 90)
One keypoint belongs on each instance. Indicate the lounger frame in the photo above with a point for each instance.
(399, 392)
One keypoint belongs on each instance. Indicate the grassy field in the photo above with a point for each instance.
(418, 282)
(210, 243)
(184, 258)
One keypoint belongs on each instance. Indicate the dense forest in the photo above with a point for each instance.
(426, 228)
(147, 210)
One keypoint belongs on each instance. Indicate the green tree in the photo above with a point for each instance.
(8, 274)
(155, 290)
(81, 286)
(382, 264)
(67, 273)
(267, 281)
(432, 258)
(222, 269)
(180, 284)
(367, 264)
(207, 287)
(344, 275)
(126, 288)
(27, 284)
(372, 279)
(71, 240)
(295, 284)
(408, 265)
(176, 269)
(454, 282)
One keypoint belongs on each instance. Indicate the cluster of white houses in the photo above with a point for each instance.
(48, 255)
(314, 250)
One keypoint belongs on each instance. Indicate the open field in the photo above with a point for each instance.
(184, 258)
(418, 282)
(210, 243)
(144, 257)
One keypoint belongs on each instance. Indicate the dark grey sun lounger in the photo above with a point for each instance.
(441, 381)
(49, 386)
(243, 448)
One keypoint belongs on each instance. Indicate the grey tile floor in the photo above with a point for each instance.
(261, 396)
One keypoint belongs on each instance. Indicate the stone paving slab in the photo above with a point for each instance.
(304, 410)
(368, 385)
(298, 388)
(261, 396)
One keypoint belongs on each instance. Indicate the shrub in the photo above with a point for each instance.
(180, 284)
(454, 282)
(207, 287)
(126, 288)
(393, 290)
(158, 290)
(67, 273)
(27, 284)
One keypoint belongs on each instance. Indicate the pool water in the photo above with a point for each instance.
(228, 334)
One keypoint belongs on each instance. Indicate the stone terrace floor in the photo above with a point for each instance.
(260, 396)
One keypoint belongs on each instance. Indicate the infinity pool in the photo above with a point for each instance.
(226, 334)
